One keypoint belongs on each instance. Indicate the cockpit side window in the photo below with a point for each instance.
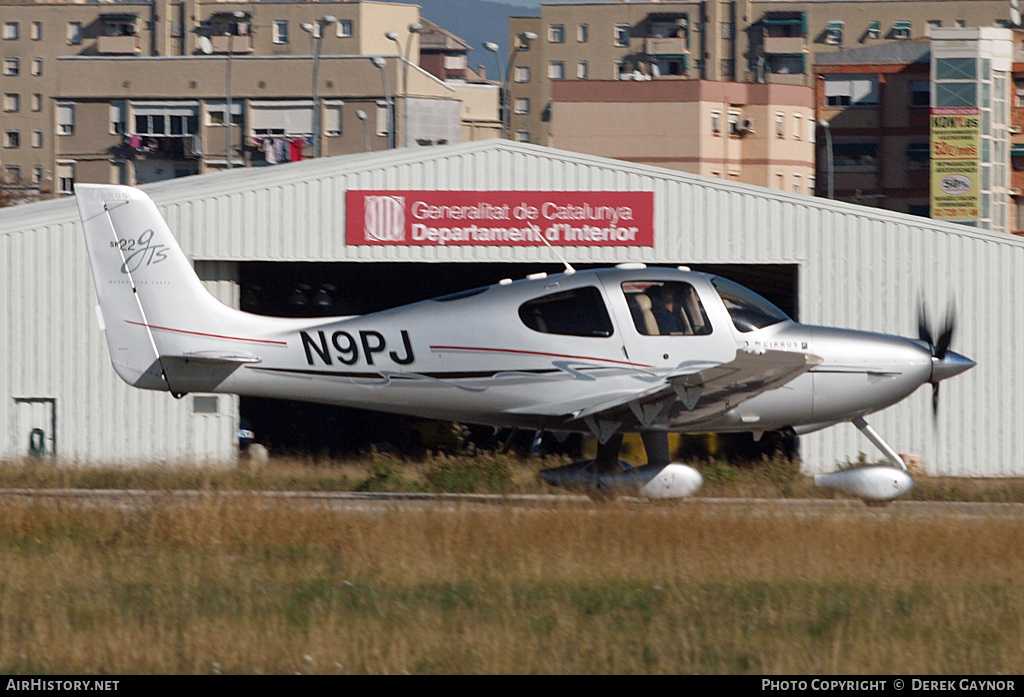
(669, 308)
(749, 311)
(576, 312)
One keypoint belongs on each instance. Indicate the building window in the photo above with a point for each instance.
(920, 93)
(811, 126)
(332, 118)
(797, 181)
(11, 31)
(383, 119)
(37, 174)
(874, 30)
(734, 124)
(780, 130)
(36, 33)
(216, 113)
(728, 30)
(783, 64)
(12, 66)
(12, 102)
(295, 118)
(918, 156)
(37, 66)
(522, 73)
(37, 102)
(74, 33)
(583, 70)
(901, 29)
(37, 139)
(956, 94)
(834, 33)
(728, 68)
(65, 118)
(797, 126)
(522, 105)
(523, 136)
(280, 31)
(556, 33)
(851, 91)
(934, 24)
(66, 178)
(622, 34)
(117, 117)
(855, 157)
(12, 139)
(583, 33)
(716, 123)
(345, 28)
(12, 174)
(556, 70)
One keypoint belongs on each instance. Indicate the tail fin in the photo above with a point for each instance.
(152, 304)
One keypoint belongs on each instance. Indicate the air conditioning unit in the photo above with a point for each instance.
(743, 127)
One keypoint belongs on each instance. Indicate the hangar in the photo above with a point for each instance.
(274, 240)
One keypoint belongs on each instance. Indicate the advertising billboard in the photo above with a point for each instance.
(955, 158)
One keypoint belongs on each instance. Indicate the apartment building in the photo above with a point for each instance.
(766, 41)
(761, 134)
(882, 105)
(138, 91)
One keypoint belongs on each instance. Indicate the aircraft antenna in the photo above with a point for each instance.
(569, 270)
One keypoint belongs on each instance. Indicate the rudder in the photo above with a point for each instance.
(146, 287)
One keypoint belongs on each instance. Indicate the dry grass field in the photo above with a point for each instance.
(242, 584)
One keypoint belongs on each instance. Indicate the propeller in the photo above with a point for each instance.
(938, 346)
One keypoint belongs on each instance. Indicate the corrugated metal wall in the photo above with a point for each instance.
(859, 267)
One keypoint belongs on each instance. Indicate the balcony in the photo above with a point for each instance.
(119, 45)
(666, 46)
(784, 44)
(234, 44)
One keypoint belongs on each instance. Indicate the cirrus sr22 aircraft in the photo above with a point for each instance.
(608, 351)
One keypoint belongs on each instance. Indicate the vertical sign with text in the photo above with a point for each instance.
(955, 162)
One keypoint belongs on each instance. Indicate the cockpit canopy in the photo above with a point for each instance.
(749, 311)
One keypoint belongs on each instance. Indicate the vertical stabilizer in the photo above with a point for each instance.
(151, 301)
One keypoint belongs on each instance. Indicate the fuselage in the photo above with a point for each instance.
(527, 353)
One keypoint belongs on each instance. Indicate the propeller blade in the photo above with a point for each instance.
(946, 338)
(935, 401)
(923, 331)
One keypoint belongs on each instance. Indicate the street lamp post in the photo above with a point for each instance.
(831, 166)
(524, 41)
(414, 28)
(237, 14)
(361, 115)
(316, 35)
(389, 104)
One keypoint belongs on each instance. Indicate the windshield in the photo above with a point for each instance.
(749, 311)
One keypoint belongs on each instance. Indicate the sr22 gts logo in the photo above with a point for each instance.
(348, 349)
(139, 251)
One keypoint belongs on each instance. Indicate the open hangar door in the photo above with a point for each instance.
(322, 289)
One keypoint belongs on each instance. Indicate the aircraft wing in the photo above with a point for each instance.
(694, 392)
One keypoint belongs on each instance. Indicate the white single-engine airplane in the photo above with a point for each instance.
(624, 349)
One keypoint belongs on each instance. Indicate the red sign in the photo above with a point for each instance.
(500, 218)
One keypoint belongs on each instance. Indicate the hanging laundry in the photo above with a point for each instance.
(270, 151)
(295, 150)
(280, 150)
(135, 141)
